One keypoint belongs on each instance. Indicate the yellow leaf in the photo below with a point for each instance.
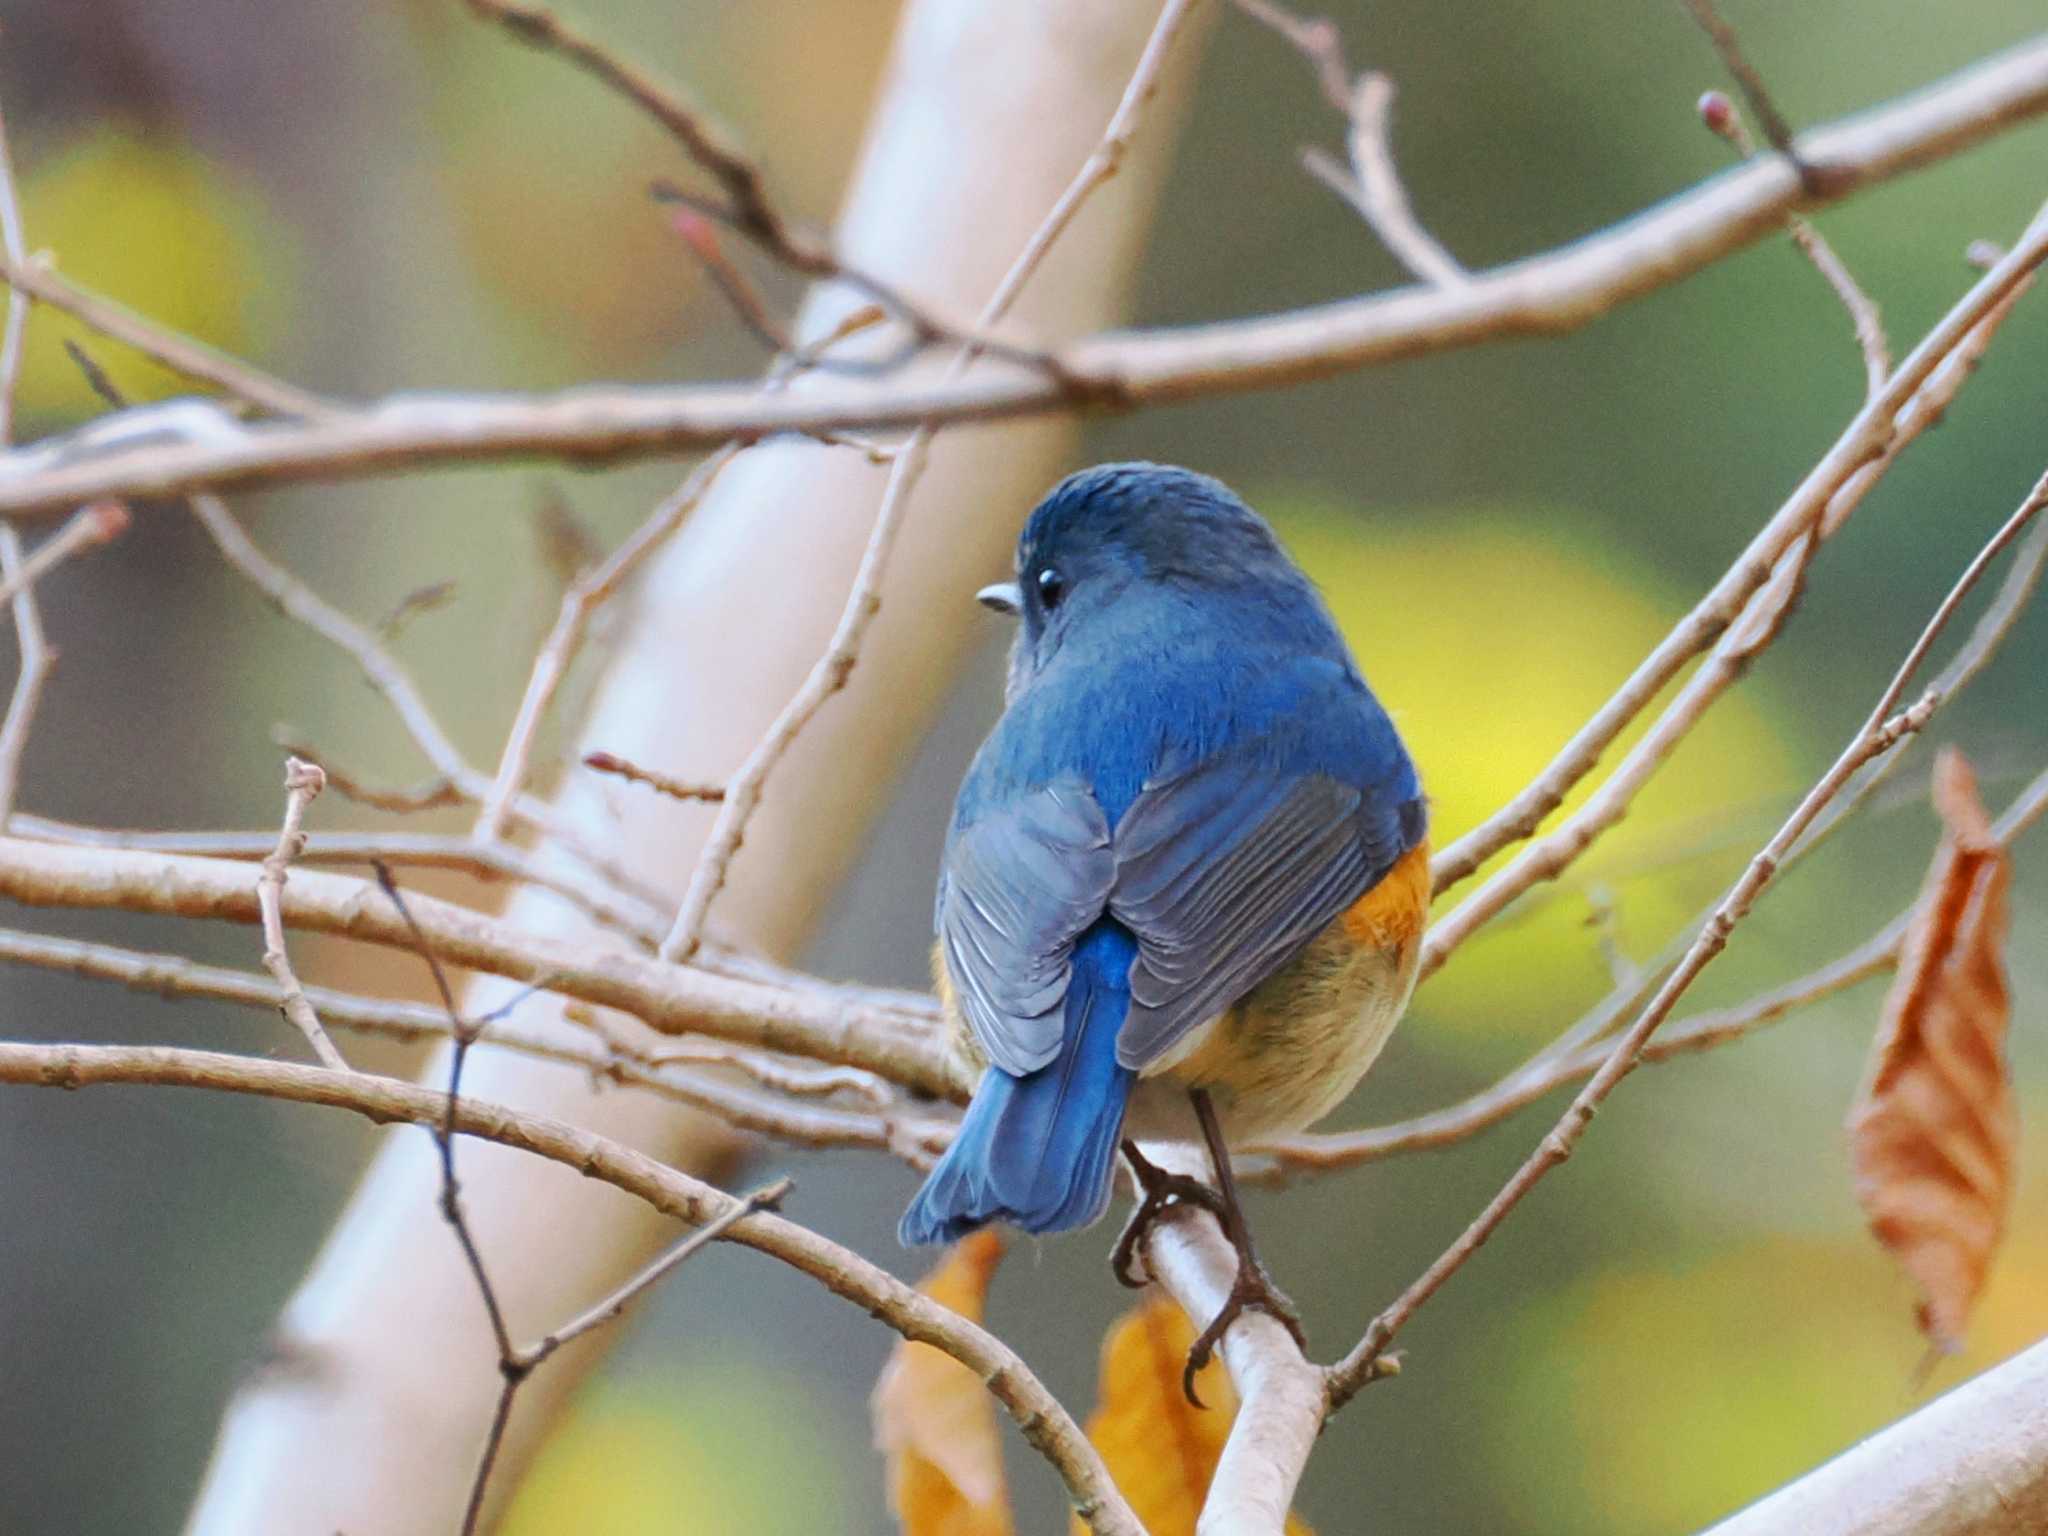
(1161, 1449)
(1935, 1132)
(935, 1421)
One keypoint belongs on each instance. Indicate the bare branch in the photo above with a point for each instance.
(1882, 731)
(302, 783)
(633, 773)
(36, 660)
(1318, 41)
(1972, 1463)
(1045, 1424)
(1373, 186)
(88, 529)
(1281, 1398)
(1548, 294)
(773, 1072)
(1719, 114)
(1777, 132)
(767, 1198)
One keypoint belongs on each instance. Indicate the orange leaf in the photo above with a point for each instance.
(1161, 1449)
(1934, 1132)
(935, 1421)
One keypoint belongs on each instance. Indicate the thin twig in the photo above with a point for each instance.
(516, 1366)
(194, 360)
(1777, 132)
(586, 595)
(796, 1080)
(1880, 732)
(1719, 114)
(419, 600)
(767, 1198)
(1318, 41)
(1372, 185)
(88, 529)
(829, 675)
(302, 784)
(1986, 636)
(700, 234)
(633, 773)
(1550, 293)
(36, 660)
(464, 1033)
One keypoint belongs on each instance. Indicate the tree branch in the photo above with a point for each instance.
(848, 1028)
(1972, 1463)
(1549, 294)
(913, 1138)
(1038, 1414)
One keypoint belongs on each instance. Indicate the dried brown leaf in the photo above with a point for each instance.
(935, 1421)
(1161, 1449)
(1934, 1133)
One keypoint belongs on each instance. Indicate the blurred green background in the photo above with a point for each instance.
(380, 196)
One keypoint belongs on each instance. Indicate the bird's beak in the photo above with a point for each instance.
(1003, 597)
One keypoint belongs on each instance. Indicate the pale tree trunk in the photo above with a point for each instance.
(372, 1419)
(1972, 1463)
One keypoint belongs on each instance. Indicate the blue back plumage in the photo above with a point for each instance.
(1175, 667)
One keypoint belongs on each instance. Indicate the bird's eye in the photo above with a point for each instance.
(1051, 588)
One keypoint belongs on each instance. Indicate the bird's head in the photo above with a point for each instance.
(1150, 543)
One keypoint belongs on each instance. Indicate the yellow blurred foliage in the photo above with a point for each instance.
(1658, 1400)
(734, 1450)
(934, 1418)
(1490, 634)
(160, 229)
(1161, 1449)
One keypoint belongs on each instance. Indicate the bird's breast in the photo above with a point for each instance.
(1291, 1049)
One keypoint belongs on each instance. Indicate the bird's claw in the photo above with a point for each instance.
(1160, 1190)
(1252, 1290)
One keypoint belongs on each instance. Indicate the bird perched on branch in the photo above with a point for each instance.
(1183, 892)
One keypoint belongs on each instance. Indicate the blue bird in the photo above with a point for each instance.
(1183, 891)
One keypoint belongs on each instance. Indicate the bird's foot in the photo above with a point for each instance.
(1252, 1290)
(1159, 1192)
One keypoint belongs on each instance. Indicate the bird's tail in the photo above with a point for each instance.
(1039, 1151)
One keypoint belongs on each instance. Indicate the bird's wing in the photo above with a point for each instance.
(1224, 872)
(1018, 886)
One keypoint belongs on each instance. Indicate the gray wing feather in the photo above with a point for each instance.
(1223, 876)
(1018, 888)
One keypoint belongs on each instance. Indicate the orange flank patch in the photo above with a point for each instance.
(1389, 916)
